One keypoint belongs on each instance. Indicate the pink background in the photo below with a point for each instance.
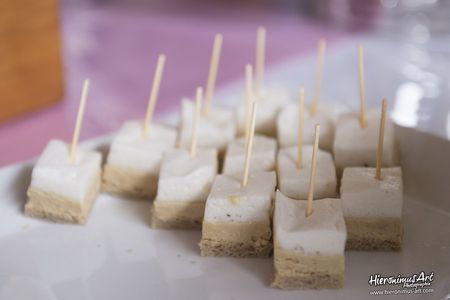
(116, 46)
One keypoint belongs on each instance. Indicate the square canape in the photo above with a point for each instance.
(288, 120)
(184, 184)
(60, 190)
(273, 98)
(134, 159)
(294, 182)
(237, 219)
(357, 147)
(214, 131)
(373, 208)
(308, 251)
(263, 157)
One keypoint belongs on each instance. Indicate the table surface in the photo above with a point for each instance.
(116, 46)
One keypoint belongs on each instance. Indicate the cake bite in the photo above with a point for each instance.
(293, 171)
(309, 241)
(135, 156)
(217, 127)
(308, 251)
(362, 128)
(322, 114)
(372, 201)
(65, 180)
(263, 156)
(184, 183)
(288, 118)
(271, 98)
(237, 219)
(264, 148)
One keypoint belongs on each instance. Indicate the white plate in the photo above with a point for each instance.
(116, 255)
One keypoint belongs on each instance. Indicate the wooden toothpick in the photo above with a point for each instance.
(301, 105)
(196, 121)
(212, 75)
(318, 76)
(248, 97)
(381, 139)
(153, 93)
(312, 178)
(76, 132)
(249, 145)
(362, 88)
(260, 58)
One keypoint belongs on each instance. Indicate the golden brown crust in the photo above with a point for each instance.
(129, 182)
(236, 239)
(177, 214)
(294, 270)
(373, 234)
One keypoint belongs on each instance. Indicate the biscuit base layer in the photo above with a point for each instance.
(129, 182)
(177, 214)
(373, 234)
(236, 239)
(298, 271)
(50, 206)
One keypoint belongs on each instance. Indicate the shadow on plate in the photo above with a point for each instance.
(19, 186)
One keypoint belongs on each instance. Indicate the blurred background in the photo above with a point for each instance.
(48, 47)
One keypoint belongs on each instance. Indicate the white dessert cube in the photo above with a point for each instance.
(287, 124)
(321, 233)
(355, 146)
(294, 182)
(214, 131)
(263, 156)
(184, 184)
(237, 219)
(61, 190)
(308, 251)
(134, 159)
(272, 100)
(373, 208)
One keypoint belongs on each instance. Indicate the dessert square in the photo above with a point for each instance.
(308, 251)
(237, 219)
(288, 120)
(134, 160)
(62, 191)
(294, 182)
(272, 100)
(263, 157)
(357, 147)
(183, 186)
(373, 208)
(214, 131)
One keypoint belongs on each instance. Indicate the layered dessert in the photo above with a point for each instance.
(288, 119)
(61, 190)
(308, 250)
(294, 181)
(356, 146)
(373, 208)
(183, 186)
(134, 159)
(263, 156)
(237, 219)
(215, 131)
